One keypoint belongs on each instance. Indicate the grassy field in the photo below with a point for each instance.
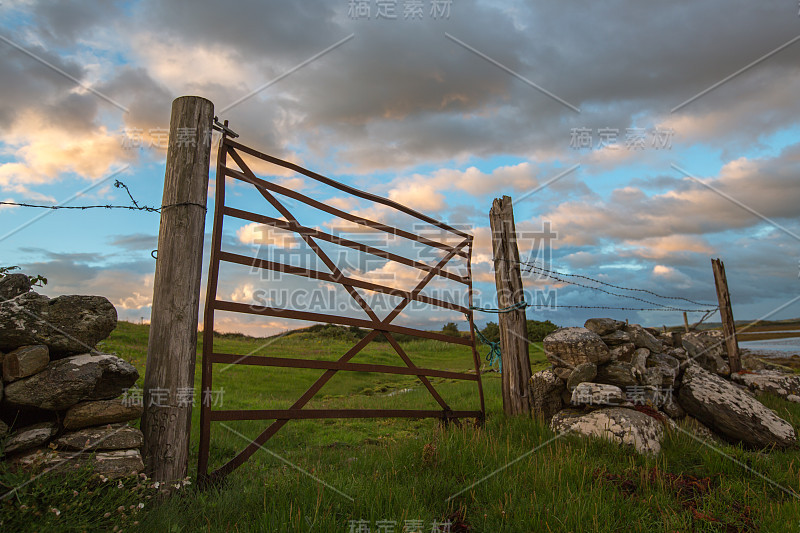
(327, 475)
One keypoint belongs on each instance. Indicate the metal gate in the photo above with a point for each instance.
(230, 148)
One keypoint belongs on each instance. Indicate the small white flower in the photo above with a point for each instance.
(55, 511)
(141, 505)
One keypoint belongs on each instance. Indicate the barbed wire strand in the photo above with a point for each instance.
(531, 264)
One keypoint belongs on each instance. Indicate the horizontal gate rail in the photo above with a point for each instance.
(338, 212)
(376, 326)
(325, 276)
(311, 232)
(299, 414)
(288, 362)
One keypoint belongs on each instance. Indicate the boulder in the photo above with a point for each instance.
(546, 389)
(25, 361)
(728, 410)
(581, 373)
(597, 394)
(101, 412)
(643, 338)
(618, 424)
(112, 464)
(617, 373)
(623, 352)
(109, 437)
(672, 408)
(562, 372)
(569, 347)
(603, 326)
(66, 325)
(616, 338)
(29, 437)
(778, 383)
(666, 366)
(707, 349)
(678, 353)
(639, 359)
(13, 285)
(65, 382)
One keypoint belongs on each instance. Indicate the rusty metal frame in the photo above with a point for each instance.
(230, 148)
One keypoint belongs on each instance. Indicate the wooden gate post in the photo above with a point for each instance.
(169, 375)
(513, 326)
(726, 312)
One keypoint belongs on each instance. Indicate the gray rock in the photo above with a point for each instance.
(678, 353)
(569, 347)
(666, 366)
(546, 389)
(778, 383)
(616, 373)
(723, 407)
(700, 430)
(616, 338)
(65, 382)
(110, 437)
(597, 394)
(30, 437)
(623, 352)
(66, 325)
(643, 338)
(672, 408)
(25, 361)
(581, 373)
(12, 285)
(562, 372)
(112, 464)
(707, 349)
(603, 326)
(101, 412)
(618, 424)
(639, 359)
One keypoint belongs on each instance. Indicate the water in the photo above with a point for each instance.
(778, 347)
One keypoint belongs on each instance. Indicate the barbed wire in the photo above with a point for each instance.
(118, 184)
(531, 265)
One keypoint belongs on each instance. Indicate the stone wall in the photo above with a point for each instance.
(628, 383)
(61, 401)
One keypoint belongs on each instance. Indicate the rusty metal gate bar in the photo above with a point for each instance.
(229, 147)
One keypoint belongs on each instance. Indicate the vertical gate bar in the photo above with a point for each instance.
(208, 314)
(475, 356)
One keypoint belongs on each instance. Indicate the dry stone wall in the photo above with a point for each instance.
(626, 383)
(62, 403)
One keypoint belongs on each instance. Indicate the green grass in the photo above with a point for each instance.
(401, 470)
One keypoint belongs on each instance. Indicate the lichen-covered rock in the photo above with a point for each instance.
(778, 383)
(618, 424)
(730, 411)
(65, 382)
(672, 408)
(603, 326)
(13, 285)
(109, 437)
(617, 373)
(112, 464)
(616, 338)
(707, 349)
(643, 338)
(29, 437)
(569, 347)
(639, 359)
(101, 412)
(562, 372)
(597, 394)
(666, 367)
(623, 352)
(25, 361)
(66, 325)
(581, 373)
(546, 389)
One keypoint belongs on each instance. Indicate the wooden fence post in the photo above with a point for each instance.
(169, 374)
(726, 312)
(685, 322)
(513, 326)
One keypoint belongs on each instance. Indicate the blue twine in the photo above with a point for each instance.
(518, 305)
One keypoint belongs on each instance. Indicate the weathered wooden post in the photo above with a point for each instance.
(169, 375)
(685, 322)
(513, 326)
(726, 312)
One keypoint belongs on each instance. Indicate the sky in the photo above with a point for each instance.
(637, 142)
